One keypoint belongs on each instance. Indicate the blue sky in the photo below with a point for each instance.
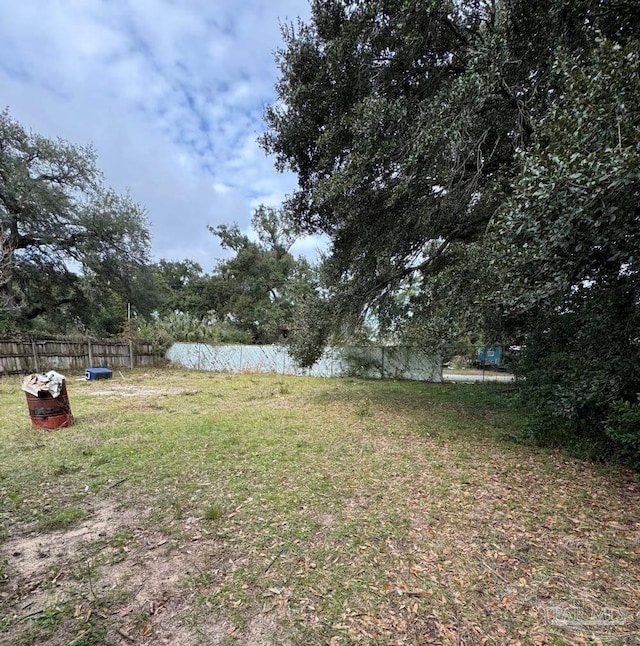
(169, 92)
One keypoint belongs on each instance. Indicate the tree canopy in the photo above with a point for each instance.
(72, 249)
(259, 287)
(405, 123)
(182, 287)
(569, 250)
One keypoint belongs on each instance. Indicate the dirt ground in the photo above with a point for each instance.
(137, 583)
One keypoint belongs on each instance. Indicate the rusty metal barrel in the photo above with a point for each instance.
(50, 412)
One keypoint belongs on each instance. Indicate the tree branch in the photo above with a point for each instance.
(36, 310)
(423, 267)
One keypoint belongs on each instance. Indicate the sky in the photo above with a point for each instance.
(170, 93)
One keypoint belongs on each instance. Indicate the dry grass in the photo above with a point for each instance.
(192, 508)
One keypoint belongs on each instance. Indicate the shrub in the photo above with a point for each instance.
(623, 426)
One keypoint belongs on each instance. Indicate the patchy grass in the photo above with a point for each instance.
(220, 509)
(60, 518)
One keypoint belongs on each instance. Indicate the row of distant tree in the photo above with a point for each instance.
(249, 298)
(75, 258)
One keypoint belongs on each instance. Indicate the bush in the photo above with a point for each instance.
(164, 331)
(623, 427)
(580, 375)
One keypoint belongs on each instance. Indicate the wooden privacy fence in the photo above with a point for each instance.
(25, 356)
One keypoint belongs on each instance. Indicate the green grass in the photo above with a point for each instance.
(303, 510)
(214, 511)
(60, 518)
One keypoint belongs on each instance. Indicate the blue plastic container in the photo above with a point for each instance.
(91, 374)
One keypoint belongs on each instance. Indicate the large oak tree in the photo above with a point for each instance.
(475, 164)
(73, 251)
(405, 122)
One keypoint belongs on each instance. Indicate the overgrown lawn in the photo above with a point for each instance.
(187, 508)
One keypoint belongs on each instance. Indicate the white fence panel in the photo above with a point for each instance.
(373, 362)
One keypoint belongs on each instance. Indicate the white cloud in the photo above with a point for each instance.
(169, 93)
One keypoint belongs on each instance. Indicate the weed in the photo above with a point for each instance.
(51, 617)
(90, 633)
(214, 511)
(65, 469)
(121, 538)
(284, 388)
